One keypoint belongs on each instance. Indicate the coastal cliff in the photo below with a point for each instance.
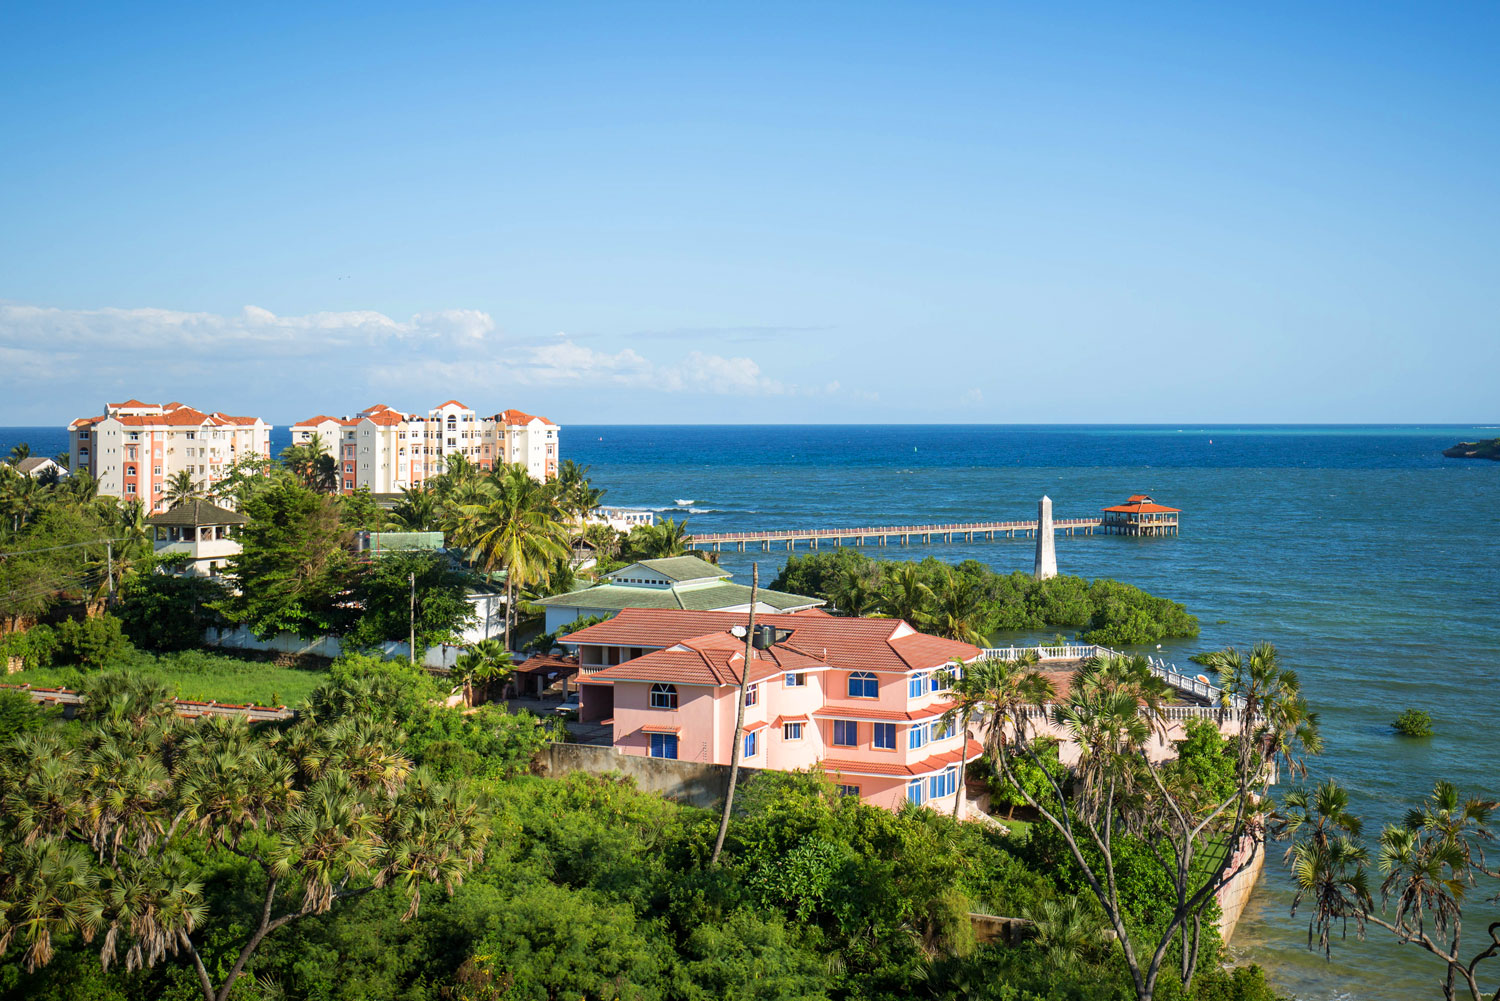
(1475, 450)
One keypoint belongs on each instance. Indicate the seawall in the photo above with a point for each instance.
(1234, 895)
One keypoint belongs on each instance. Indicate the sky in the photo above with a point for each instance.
(754, 213)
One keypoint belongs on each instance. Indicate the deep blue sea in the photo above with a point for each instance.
(1372, 562)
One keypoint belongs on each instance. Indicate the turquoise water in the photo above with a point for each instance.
(1371, 562)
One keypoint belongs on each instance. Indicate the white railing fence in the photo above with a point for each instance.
(1188, 684)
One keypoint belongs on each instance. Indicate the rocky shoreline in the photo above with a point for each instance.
(1475, 450)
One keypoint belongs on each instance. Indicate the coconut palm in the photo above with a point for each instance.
(958, 609)
(19, 453)
(516, 529)
(1275, 716)
(908, 597)
(181, 488)
(417, 510)
(482, 663)
(311, 463)
(857, 592)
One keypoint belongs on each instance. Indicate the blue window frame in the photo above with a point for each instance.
(945, 783)
(664, 745)
(845, 733)
(796, 680)
(885, 736)
(862, 685)
(751, 744)
(663, 696)
(848, 790)
(935, 681)
(917, 736)
(916, 685)
(791, 731)
(914, 792)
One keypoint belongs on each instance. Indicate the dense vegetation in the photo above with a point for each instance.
(970, 601)
(585, 887)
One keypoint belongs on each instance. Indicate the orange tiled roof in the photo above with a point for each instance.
(513, 418)
(317, 419)
(1142, 507)
(130, 403)
(851, 644)
(450, 403)
(844, 766)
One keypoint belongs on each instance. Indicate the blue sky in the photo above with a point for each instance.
(627, 213)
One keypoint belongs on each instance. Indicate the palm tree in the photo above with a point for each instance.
(516, 530)
(958, 611)
(1066, 931)
(311, 463)
(911, 599)
(971, 687)
(482, 663)
(417, 510)
(1277, 721)
(1328, 862)
(576, 498)
(662, 540)
(181, 488)
(857, 592)
(19, 453)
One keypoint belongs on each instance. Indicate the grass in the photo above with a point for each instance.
(199, 676)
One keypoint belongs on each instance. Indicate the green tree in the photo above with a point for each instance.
(19, 454)
(661, 540)
(294, 568)
(311, 463)
(416, 511)
(484, 663)
(165, 611)
(958, 609)
(93, 642)
(389, 607)
(906, 596)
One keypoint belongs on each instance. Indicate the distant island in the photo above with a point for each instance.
(1475, 450)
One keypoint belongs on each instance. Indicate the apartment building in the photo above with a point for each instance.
(861, 699)
(133, 448)
(387, 450)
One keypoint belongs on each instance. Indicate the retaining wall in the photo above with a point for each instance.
(695, 783)
(1234, 895)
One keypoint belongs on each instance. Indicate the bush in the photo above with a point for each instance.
(95, 642)
(36, 647)
(166, 612)
(1413, 723)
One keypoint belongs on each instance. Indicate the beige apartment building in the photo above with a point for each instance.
(133, 448)
(386, 450)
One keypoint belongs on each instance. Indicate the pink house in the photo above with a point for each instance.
(859, 698)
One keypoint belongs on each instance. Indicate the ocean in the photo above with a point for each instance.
(1366, 557)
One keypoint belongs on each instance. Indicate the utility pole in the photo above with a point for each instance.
(109, 573)
(739, 720)
(411, 643)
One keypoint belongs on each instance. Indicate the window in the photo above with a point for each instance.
(845, 733)
(917, 736)
(663, 696)
(129, 470)
(942, 729)
(796, 680)
(348, 484)
(791, 731)
(156, 470)
(885, 736)
(130, 488)
(751, 744)
(664, 745)
(862, 685)
(848, 790)
(935, 681)
(914, 792)
(83, 436)
(943, 784)
(917, 685)
(752, 695)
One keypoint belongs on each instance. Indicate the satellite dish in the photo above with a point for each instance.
(738, 632)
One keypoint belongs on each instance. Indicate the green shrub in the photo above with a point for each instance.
(95, 642)
(36, 647)
(1413, 723)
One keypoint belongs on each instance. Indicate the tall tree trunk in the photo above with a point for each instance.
(739, 719)
(963, 768)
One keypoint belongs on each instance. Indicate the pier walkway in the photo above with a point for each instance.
(903, 534)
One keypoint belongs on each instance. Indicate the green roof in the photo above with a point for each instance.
(197, 511)
(678, 568)
(697, 599)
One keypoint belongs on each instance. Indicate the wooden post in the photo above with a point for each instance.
(739, 720)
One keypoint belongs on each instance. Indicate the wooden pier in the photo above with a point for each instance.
(1139, 516)
(901, 534)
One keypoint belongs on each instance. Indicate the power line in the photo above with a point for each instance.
(52, 549)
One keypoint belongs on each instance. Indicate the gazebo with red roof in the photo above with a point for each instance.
(1140, 515)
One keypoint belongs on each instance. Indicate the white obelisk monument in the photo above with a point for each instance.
(1046, 555)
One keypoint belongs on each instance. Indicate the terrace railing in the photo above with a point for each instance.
(1187, 684)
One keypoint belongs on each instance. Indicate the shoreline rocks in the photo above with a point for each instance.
(1475, 450)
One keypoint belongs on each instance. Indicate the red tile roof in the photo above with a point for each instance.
(852, 644)
(547, 663)
(450, 403)
(757, 726)
(130, 403)
(791, 719)
(318, 419)
(1142, 507)
(658, 728)
(514, 418)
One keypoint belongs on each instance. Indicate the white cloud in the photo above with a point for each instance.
(309, 361)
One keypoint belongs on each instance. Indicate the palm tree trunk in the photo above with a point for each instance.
(963, 768)
(739, 720)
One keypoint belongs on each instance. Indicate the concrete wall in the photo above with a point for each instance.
(691, 782)
(1236, 893)
(325, 646)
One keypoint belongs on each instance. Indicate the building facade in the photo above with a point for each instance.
(133, 448)
(386, 450)
(862, 699)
